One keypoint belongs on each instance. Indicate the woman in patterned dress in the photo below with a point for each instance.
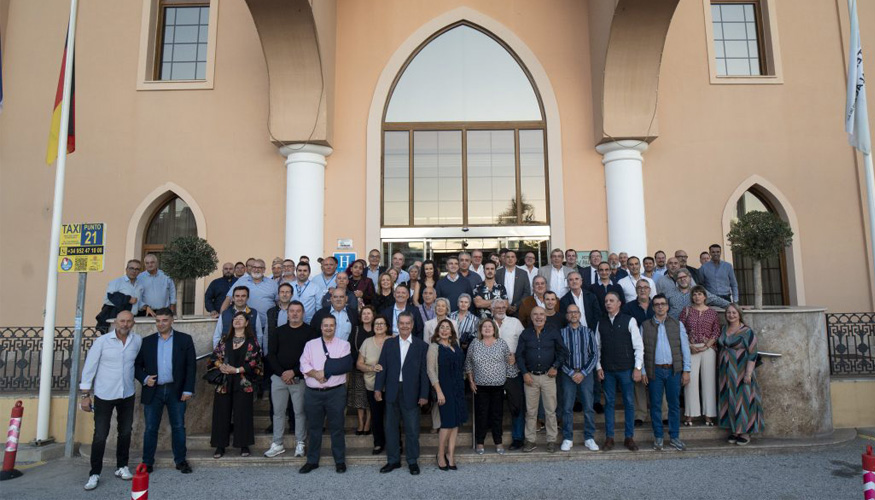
(486, 366)
(703, 329)
(465, 320)
(740, 405)
(357, 396)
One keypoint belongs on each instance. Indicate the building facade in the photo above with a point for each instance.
(281, 127)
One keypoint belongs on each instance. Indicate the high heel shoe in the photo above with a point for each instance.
(451, 467)
(443, 468)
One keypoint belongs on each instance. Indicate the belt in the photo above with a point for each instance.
(667, 367)
(538, 373)
(324, 389)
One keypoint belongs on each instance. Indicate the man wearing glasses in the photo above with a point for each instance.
(122, 294)
(666, 369)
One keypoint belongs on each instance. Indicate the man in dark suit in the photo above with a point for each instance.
(571, 261)
(347, 315)
(402, 294)
(585, 300)
(515, 281)
(590, 274)
(403, 384)
(165, 366)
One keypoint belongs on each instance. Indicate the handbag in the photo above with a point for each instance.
(336, 366)
(214, 376)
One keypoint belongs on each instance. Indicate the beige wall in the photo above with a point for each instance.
(214, 143)
(852, 403)
(57, 424)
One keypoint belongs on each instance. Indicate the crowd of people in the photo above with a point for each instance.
(387, 342)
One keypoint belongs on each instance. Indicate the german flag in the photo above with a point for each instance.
(55, 132)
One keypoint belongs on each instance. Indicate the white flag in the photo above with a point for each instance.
(856, 112)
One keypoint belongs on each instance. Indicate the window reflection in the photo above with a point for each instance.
(437, 172)
(396, 179)
(491, 177)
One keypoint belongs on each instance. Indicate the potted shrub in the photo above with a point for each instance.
(188, 257)
(759, 236)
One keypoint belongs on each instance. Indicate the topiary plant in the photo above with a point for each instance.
(759, 236)
(188, 257)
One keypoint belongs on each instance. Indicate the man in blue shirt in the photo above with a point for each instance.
(219, 287)
(326, 281)
(305, 292)
(666, 369)
(158, 289)
(398, 265)
(718, 277)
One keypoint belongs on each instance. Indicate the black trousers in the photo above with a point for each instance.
(515, 397)
(235, 407)
(378, 419)
(395, 415)
(103, 408)
(321, 406)
(489, 410)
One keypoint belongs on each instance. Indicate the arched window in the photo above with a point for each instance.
(775, 289)
(464, 137)
(172, 220)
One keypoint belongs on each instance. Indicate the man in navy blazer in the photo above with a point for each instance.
(402, 294)
(403, 383)
(165, 366)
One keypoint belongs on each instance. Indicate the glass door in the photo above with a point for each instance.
(438, 249)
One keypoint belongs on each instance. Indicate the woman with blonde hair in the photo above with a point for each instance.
(740, 403)
(486, 367)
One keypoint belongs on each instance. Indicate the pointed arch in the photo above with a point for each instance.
(143, 214)
(382, 93)
(781, 205)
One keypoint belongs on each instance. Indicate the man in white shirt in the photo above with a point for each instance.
(529, 266)
(631, 281)
(556, 274)
(108, 374)
(477, 263)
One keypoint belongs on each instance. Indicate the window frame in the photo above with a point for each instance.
(782, 257)
(463, 127)
(771, 67)
(189, 296)
(151, 38)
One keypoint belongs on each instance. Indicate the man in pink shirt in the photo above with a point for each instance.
(325, 396)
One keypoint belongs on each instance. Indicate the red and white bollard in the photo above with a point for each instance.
(140, 484)
(869, 474)
(9, 471)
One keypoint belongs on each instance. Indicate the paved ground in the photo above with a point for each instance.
(829, 472)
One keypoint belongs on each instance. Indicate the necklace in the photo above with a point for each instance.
(238, 341)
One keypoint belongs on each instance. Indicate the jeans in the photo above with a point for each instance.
(280, 393)
(570, 391)
(624, 377)
(124, 409)
(165, 396)
(321, 406)
(668, 382)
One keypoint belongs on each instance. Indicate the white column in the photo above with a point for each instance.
(305, 199)
(624, 184)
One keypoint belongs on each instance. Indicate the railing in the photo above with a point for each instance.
(20, 352)
(851, 338)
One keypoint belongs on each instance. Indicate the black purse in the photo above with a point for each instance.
(214, 376)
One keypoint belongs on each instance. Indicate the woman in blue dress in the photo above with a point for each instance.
(446, 362)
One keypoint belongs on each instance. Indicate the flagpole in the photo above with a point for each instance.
(48, 353)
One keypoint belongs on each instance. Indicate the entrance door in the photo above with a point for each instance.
(438, 249)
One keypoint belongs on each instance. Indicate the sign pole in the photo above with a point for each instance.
(75, 357)
(48, 354)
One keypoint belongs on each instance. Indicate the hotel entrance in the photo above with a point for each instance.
(438, 249)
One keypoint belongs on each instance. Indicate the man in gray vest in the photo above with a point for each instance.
(666, 369)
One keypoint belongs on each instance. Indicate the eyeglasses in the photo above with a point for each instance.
(133, 268)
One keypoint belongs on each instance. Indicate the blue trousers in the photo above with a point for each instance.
(668, 382)
(397, 415)
(624, 378)
(165, 396)
(570, 391)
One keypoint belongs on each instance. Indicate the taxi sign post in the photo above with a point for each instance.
(81, 251)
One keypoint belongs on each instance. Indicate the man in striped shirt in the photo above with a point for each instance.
(576, 379)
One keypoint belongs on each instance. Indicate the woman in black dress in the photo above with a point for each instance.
(356, 395)
(238, 357)
(446, 364)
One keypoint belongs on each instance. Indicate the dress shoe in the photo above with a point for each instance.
(414, 469)
(630, 444)
(340, 468)
(638, 422)
(184, 467)
(515, 445)
(307, 468)
(599, 408)
(389, 468)
(377, 450)
(150, 468)
(609, 444)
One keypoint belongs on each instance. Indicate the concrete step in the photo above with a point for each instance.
(466, 455)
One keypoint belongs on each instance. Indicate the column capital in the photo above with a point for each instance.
(626, 148)
(295, 153)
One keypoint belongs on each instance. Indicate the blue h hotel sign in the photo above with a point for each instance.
(344, 259)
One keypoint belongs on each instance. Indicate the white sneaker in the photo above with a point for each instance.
(590, 445)
(299, 449)
(124, 473)
(275, 449)
(566, 445)
(92, 482)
